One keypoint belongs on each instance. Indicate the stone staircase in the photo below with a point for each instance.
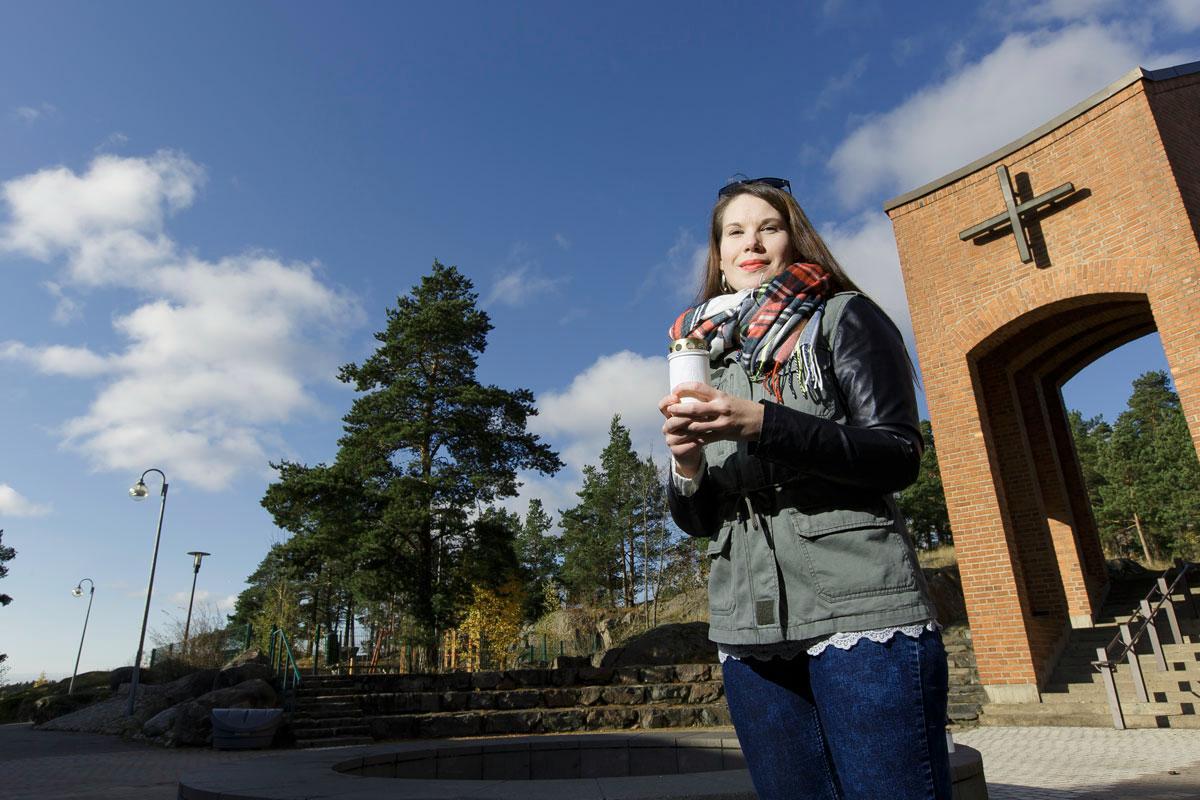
(966, 697)
(333, 711)
(340, 710)
(1075, 694)
(327, 714)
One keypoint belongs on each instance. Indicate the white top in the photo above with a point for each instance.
(813, 647)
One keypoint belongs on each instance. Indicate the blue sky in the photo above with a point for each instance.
(204, 211)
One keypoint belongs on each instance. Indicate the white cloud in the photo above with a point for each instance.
(1067, 10)
(562, 241)
(1183, 13)
(76, 362)
(519, 286)
(114, 139)
(985, 105)
(12, 504)
(107, 222)
(205, 602)
(865, 246)
(839, 84)
(575, 421)
(679, 274)
(181, 598)
(217, 354)
(32, 114)
(66, 309)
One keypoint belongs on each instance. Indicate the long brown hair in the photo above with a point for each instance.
(806, 244)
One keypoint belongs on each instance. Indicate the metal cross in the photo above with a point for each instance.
(1013, 212)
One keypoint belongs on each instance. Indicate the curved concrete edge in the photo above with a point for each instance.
(311, 774)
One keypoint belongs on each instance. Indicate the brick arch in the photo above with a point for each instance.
(997, 337)
(1050, 294)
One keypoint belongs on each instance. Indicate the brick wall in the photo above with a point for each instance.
(997, 338)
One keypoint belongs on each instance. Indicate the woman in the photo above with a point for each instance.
(834, 669)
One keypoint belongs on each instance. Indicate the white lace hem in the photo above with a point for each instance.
(842, 641)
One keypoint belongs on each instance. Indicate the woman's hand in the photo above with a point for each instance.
(718, 416)
(686, 449)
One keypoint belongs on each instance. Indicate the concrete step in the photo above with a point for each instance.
(961, 712)
(375, 703)
(359, 728)
(1170, 680)
(1096, 690)
(329, 691)
(306, 721)
(340, 710)
(335, 741)
(1068, 672)
(1001, 716)
(558, 720)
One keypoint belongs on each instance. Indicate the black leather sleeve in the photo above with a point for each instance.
(695, 515)
(879, 447)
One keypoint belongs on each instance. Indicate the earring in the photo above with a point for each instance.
(724, 283)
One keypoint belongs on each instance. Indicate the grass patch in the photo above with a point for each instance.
(937, 557)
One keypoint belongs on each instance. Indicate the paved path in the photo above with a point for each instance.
(1087, 763)
(1020, 764)
(52, 764)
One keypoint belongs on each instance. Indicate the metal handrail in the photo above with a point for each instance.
(283, 663)
(1146, 621)
(1128, 637)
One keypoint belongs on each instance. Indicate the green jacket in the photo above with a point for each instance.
(806, 538)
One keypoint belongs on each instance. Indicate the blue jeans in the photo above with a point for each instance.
(858, 724)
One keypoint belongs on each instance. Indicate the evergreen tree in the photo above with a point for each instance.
(924, 502)
(537, 551)
(272, 597)
(431, 442)
(590, 571)
(1091, 439)
(6, 554)
(605, 549)
(1151, 473)
(491, 558)
(330, 513)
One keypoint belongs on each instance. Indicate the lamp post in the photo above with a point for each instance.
(139, 492)
(78, 592)
(197, 557)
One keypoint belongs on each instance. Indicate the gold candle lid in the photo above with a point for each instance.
(687, 343)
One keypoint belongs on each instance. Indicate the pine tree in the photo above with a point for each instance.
(605, 550)
(537, 552)
(1090, 437)
(431, 441)
(590, 570)
(924, 502)
(6, 554)
(1151, 473)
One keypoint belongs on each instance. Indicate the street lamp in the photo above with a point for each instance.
(139, 492)
(197, 557)
(78, 592)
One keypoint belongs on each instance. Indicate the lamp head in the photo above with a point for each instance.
(139, 491)
(197, 557)
(78, 590)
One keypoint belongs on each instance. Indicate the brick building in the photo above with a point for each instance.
(1003, 321)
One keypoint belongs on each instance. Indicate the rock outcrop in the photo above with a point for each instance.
(675, 643)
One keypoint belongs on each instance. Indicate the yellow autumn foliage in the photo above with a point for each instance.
(494, 619)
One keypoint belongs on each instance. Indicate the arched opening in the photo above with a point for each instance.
(1050, 533)
(1145, 523)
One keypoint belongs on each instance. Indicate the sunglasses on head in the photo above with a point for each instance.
(733, 186)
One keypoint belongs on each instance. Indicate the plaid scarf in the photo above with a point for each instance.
(765, 323)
